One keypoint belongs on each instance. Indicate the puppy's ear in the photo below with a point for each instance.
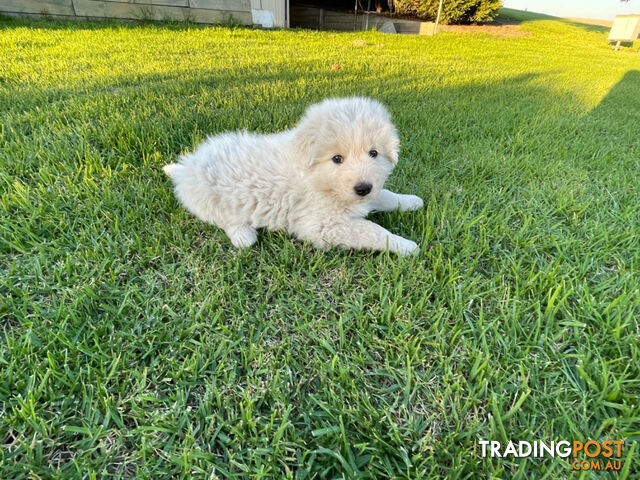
(307, 135)
(304, 139)
(393, 144)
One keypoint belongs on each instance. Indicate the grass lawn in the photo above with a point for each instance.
(135, 341)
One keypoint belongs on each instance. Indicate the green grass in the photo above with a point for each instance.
(136, 342)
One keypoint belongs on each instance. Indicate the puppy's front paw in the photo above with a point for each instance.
(410, 202)
(403, 246)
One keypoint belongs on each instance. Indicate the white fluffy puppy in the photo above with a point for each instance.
(317, 181)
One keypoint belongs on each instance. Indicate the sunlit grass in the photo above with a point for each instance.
(137, 341)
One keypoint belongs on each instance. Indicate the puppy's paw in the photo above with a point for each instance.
(403, 246)
(410, 202)
(243, 237)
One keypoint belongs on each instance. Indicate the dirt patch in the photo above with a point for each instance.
(506, 30)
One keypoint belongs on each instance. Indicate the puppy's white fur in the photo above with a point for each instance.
(290, 181)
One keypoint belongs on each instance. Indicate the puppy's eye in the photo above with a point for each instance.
(337, 159)
(373, 153)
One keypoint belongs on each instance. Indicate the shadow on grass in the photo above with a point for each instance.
(614, 122)
(146, 107)
(625, 92)
(509, 16)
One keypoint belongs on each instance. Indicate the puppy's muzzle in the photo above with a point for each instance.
(363, 189)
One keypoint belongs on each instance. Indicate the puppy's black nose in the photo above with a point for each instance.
(363, 189)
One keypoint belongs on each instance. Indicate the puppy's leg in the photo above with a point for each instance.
(363, 234)
(242, 236)
(387, 201)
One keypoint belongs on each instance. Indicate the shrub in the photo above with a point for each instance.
(453, 11)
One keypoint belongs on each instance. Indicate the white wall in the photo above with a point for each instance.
(280, 9)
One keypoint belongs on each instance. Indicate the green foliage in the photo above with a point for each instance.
(136, 342)
(453, 11)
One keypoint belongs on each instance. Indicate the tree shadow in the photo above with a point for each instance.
(510, 16)
(612, 126)
(438, 109)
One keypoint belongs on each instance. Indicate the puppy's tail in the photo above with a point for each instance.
(171, 168)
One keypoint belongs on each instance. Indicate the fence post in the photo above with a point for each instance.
(435, 29)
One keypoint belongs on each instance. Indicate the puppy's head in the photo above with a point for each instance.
(349, 147)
